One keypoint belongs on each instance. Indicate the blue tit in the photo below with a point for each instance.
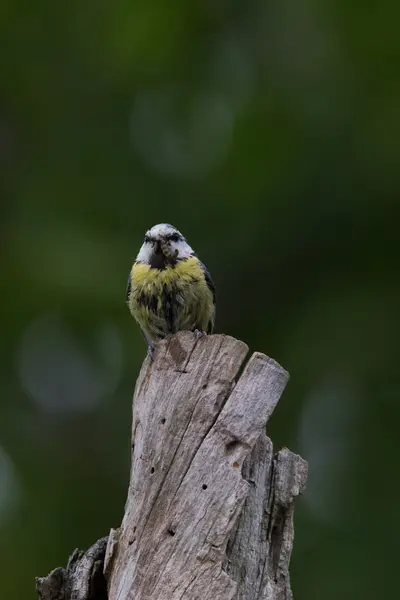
(169, 289)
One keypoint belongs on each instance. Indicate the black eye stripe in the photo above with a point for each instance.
(174, 237)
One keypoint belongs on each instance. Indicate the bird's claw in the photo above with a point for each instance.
(150, 351)
(199, 333)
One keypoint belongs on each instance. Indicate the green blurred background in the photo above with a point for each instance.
(269, 133)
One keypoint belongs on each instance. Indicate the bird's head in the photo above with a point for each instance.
(163, 245)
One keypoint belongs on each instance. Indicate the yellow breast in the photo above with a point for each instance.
(184, 271)
(172, 299)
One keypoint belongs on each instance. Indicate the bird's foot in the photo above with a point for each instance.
(150, 350)
(199, 333)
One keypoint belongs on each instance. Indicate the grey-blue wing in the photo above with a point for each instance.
(212, 288)
(128, 288)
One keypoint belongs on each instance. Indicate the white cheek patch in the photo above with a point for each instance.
(145, 253)
(183, 248)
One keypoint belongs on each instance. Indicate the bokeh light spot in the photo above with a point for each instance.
(327, 435)
(58, 374)
(9, 486)
(179, 134)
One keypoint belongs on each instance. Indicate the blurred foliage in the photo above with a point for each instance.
(269, 133)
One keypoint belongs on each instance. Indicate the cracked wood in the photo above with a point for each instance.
(209, 512)
(194, 427)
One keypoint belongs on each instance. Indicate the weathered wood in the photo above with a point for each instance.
(82, 579)
(260, 544)
(192, 431)
(209, 512)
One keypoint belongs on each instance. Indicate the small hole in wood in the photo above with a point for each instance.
(235, 465)
(171, 532)
(204, 486)
(152, 470)
(204, 386)
(232, 446)
(162, 421)
(131, 542)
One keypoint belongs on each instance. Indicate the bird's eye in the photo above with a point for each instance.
(174, 237)
(146, 239)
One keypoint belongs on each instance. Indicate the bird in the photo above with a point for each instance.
(169, 289)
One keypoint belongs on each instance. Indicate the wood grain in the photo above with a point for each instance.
(209, 509)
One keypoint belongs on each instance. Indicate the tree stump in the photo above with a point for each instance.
(209, 512)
